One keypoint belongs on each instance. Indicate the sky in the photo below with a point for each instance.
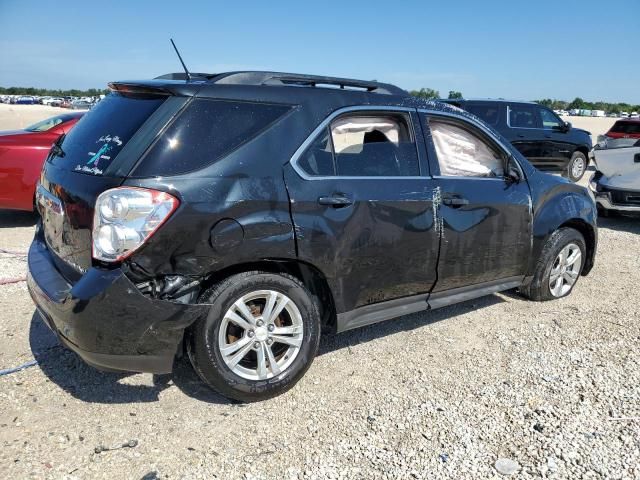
(511, 49)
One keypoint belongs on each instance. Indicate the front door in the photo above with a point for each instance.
(557, 145)
(362, 206)
(486, 230)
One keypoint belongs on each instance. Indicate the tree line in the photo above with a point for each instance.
(47, 92)
(579, 103)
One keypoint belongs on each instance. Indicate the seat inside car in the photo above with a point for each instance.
(377, 158)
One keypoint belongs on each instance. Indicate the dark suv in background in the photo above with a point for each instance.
(236, 216)
(548, 142)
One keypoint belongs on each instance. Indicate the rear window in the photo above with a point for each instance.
(523, 116)
(629, 128)
(97, 139)
(206, 131)
(488, 113)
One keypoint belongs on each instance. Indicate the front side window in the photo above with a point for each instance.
(463, 153)
(549, 119)
(523, 116)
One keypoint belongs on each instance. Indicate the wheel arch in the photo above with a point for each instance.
(570, 209)
(312, 278)
(584, 150)
(589, 234)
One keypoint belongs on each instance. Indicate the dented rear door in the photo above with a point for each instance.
(373, 237)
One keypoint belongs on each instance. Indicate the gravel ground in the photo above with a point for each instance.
(550, 386)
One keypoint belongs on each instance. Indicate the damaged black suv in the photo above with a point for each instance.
(236, 216)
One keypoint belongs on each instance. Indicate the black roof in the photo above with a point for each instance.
(258, 78)
(289, 88)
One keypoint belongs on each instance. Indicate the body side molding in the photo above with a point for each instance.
(382, 311)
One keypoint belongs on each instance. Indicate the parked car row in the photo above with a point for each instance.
(578, 112)
(75, 103)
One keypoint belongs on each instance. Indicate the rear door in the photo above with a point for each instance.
(525, 131)
(362, 204)
(486, 232)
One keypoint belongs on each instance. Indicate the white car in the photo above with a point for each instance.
(616, 182)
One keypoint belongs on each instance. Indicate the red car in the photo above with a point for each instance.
(629, 128)
(22, 153)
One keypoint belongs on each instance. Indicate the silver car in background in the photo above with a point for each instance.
(616, 182)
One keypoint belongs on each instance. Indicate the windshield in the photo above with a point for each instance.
(47, 124)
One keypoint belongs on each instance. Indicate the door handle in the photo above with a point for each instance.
(455, 201)
(520, 136)
(337, 200)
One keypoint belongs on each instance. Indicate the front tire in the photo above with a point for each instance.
(577, 166)
(259, 338)
(559, 266)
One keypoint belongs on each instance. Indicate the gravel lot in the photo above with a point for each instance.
(550, 386)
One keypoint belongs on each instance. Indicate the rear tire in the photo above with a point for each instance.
(248, 354)
(555, 277)
(577, 166)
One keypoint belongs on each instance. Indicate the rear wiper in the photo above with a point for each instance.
(56, 149)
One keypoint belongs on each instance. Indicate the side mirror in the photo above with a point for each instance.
(567, 126)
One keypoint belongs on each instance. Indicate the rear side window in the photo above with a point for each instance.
(318, 159)
(628, 128)
(206, 131)
(358, 145)
(523, 116)
(487, 113)
(100, 135)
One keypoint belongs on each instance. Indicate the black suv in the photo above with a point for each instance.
(236, 216)
(548, 142)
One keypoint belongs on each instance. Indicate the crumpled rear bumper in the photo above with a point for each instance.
(105, 319)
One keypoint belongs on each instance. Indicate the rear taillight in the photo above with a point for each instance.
(125, 218)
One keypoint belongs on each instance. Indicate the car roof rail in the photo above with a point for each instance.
(301, 80)
(183, 76)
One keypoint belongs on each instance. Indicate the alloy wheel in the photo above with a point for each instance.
(261, 334)
(565, 270)
(578, 167)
